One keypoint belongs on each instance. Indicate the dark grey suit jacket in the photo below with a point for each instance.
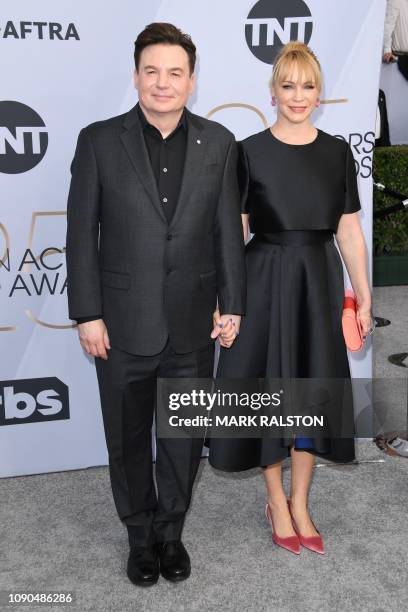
(152, 280)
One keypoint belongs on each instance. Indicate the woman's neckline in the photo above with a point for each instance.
(288, 144)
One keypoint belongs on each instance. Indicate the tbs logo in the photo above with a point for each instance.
(33, 401)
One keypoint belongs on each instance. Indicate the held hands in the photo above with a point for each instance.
(226, 328)
(94, 339)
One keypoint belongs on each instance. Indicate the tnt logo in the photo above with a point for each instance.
(273, 23)
(23, 138)
(33, 401)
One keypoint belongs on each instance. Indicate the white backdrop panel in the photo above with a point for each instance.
(70, 83)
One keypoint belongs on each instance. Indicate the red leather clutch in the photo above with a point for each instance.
(351, 327)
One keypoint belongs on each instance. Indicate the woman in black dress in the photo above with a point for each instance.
(298, 188)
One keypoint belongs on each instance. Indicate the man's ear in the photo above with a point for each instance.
(136, 79)
(192, 83)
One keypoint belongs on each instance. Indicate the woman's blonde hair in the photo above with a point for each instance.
(297, 54)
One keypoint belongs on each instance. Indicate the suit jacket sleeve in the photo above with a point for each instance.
(84, 290)
(243, 179)
(229, 241)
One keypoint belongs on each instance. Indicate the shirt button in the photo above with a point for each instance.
(164, 169)
(165, 200)
(169, 236)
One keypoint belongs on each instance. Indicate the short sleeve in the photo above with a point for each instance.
(243, 178)
(351, 197)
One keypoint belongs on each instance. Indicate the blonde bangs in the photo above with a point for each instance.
(296, 57)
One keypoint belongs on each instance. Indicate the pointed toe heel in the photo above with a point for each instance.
(292, 543)
(313, 543)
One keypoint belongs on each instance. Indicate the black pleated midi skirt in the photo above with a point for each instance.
(292, 330)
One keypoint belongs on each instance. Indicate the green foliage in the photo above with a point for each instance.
(390, 167)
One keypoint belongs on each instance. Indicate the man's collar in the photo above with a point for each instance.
(182, 122)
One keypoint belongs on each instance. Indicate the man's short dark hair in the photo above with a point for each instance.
(167, 34)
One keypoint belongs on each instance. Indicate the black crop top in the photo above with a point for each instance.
(296, 187)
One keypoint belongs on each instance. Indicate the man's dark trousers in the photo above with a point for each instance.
(127, 386)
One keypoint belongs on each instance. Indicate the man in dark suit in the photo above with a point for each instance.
(154, 240)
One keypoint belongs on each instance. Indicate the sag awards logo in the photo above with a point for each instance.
(40, 30)
(44, 281)
(273, 23)
(30, 272)
(33, 401)
(23, 137)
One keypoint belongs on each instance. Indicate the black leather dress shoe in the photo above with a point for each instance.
(143, 565)
(174, 561)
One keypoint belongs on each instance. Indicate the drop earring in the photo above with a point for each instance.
(317, 103)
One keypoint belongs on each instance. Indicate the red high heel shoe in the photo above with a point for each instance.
(292, 543)
(314, 543)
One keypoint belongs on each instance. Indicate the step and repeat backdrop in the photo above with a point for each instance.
(67, 64)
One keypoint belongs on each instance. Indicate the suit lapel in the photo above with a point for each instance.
(134, 143)
(192, 164)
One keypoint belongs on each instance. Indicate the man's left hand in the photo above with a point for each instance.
(226, 328)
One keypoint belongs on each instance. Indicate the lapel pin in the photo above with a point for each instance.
(198, 141)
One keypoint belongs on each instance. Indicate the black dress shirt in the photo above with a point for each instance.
(167, 156)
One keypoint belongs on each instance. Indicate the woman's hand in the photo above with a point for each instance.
(366, 321)
(226, 328)
(350, 239)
